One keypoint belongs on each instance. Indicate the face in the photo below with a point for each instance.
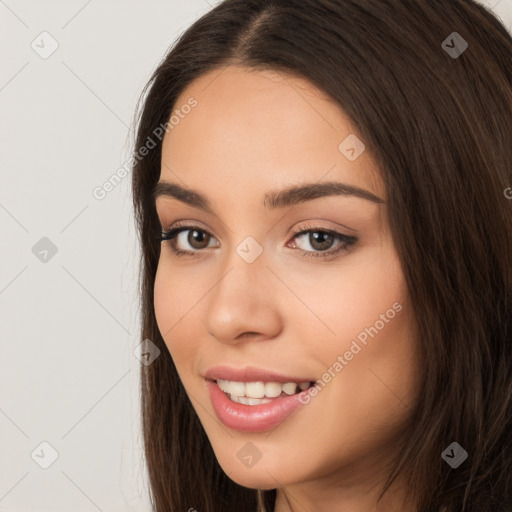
(279, 289)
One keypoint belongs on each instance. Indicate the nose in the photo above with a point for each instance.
(244, 304)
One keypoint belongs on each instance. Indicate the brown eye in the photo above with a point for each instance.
(187, 240)
(321, 240)
(197, 239)
(322, 243)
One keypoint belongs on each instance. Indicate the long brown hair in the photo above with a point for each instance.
(439, 125)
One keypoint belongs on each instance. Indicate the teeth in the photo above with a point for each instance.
(289, 388)
(255, 393)
(254, 389)
(273, 389)
(250, 401)
(235, 388)
(257, 401)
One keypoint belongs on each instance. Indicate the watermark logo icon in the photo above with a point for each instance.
(44, 250)
(351, 147)
(454, 45)
(249, 249)
(44, 455)
(249, 454)
(146, 352)
(454, 455)
(44, 45)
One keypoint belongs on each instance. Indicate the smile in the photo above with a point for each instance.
(253, 399)
(259, 392)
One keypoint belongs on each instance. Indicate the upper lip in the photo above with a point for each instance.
(251, 374)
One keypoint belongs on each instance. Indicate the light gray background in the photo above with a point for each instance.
(69, 326)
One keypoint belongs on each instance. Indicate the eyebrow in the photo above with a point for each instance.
(274, 199)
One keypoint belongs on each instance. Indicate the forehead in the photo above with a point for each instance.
(257, 129)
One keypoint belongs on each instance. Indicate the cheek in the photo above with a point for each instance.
(349, 297)
(164, 298)
(366, 345)
(177, 291)
(175, 295)
(375, 393)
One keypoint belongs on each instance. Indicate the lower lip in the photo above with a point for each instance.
(251, 418)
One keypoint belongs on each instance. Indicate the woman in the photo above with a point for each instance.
(321, 195)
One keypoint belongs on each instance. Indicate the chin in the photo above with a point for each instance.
(260, 479)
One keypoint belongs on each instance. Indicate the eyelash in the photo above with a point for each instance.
(171, 235)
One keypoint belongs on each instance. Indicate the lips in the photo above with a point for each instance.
(251, 414)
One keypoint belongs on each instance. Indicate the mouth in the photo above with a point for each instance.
(257, 401)
(260, 392)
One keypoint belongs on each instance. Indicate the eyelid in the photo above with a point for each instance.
(168, 227)
(309, 225)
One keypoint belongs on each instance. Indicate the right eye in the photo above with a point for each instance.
(197, 239)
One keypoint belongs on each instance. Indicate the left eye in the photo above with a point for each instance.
(320, 240)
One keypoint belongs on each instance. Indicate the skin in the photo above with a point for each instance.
(252, 132)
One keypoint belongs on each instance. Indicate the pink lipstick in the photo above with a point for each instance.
(252, 399)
